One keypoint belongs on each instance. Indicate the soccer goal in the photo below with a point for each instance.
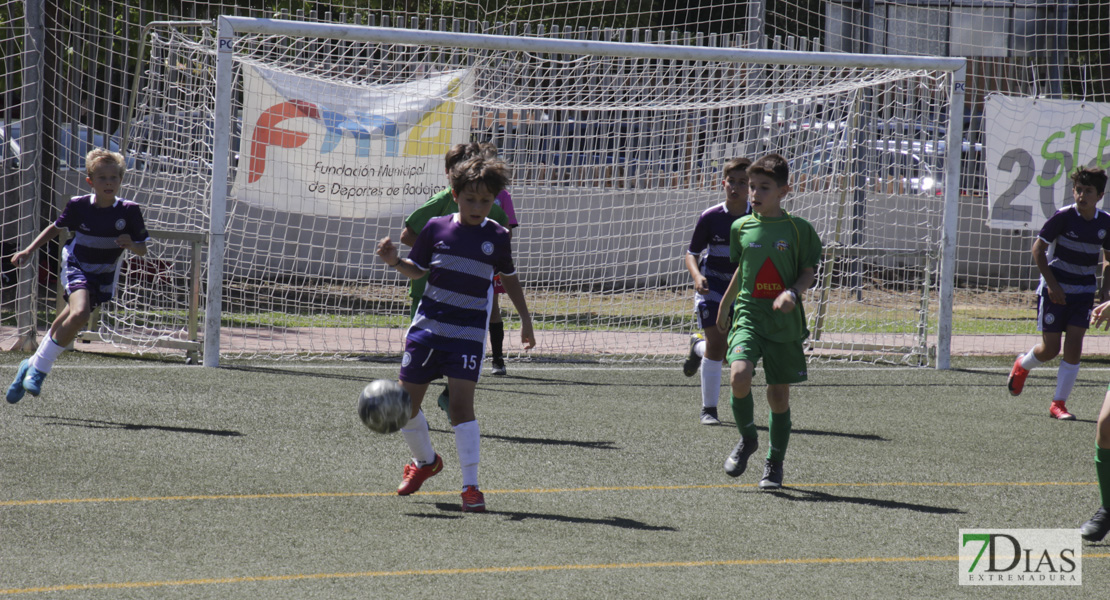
(295, 146)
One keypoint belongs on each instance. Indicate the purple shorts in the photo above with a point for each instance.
(706, 313)
(1055, 318)
(421, 364)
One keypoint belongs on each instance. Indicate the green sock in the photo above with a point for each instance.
(779, 425)
(1102, 467)
(743, 410)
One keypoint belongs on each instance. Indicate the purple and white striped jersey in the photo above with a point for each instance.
(1075, 249)
(453, 315)
(711, 235)
(93, 249)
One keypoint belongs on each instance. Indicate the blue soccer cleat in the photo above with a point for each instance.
(15, 390)
(33, 381)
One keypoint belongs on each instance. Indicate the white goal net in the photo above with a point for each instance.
(333, 138)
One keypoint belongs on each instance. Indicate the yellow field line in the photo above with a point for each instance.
(494, 570)
(635, 488)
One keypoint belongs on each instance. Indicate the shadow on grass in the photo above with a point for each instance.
(512, 439)
(801, 495)
(615, 381)
(98, 424)
(869, 437)
(361, 378)
(620, 522)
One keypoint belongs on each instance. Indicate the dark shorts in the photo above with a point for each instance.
(706, 312)
(1055, 318)
(100, 286)
(421, 364)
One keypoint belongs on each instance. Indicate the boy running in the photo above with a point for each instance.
(776, 255)
(103, 226)
(1067, 253)
(460, 253)
(707, 260)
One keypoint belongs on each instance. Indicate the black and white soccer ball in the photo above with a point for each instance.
(384, 406)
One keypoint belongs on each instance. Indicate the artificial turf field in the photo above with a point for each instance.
(134, 478)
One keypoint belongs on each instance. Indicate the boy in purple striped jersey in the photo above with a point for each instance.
(707, 260)
(460, 253)
(1068, 252)
(103, 226)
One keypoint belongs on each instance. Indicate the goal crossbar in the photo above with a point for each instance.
(230, 27)
(482, 41)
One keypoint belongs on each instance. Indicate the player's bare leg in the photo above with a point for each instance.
(67, 325)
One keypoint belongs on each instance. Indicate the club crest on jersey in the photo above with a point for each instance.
(120, 224)
(487, 248)
(782, 246)
(1101, 234)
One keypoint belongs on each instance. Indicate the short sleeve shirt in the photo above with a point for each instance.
(711, 237)
(93, 245)
(461, 262)
(1075, 249)
(770, 253)
(440, 205)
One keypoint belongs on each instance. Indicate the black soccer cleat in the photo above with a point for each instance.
(693, 361)
(1097, 527)
(772, 475)
(737, 462)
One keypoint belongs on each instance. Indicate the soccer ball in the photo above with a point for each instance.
(384, 406)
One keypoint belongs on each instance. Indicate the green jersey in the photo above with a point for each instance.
(770, 253)
(440, 205)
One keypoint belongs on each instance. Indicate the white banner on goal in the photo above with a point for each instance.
(323, 148)
(1033, 145)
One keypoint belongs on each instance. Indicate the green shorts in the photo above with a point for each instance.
(783, 362)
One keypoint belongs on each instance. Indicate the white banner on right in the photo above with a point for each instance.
(1033, 145)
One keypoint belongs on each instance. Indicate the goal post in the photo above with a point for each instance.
(626, 113)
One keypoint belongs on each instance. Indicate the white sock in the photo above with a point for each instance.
(1029, 360)
(1065, 380)
(48, 352)
(699, 348)
(710, 382)
(419, 440)
(467, 438)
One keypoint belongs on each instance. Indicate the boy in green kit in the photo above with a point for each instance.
(776, 255)
(1098, 526)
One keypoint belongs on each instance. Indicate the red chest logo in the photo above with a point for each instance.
(768, 283)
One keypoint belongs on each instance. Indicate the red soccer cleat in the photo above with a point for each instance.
(1016, 382)
(1059, 411)
(416, 476)
(473, 500)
